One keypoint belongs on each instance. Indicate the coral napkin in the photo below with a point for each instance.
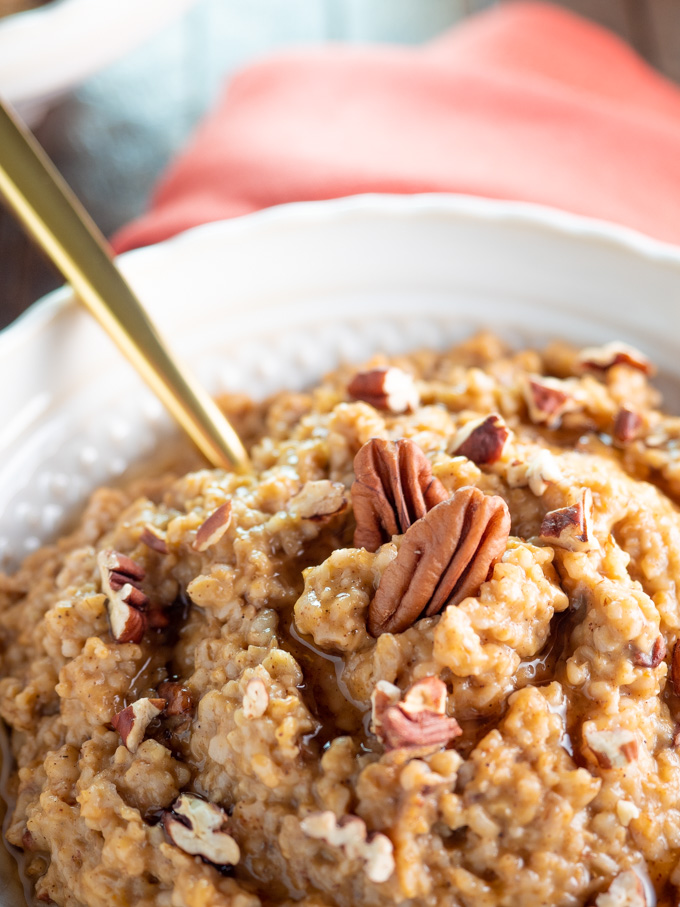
(524, 102)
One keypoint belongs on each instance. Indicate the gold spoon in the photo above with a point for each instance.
(52, 214)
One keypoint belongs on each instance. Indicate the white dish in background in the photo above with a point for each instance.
(46, 51)
(275, 299)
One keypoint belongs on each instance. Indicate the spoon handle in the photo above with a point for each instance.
(55, 218)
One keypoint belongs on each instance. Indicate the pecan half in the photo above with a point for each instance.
(197, 827)
(179, 700)
(601, 358)
(318, 501)
(548, 399)
(626, 890)
(418, 718)
(349, 834)
(385, 388)
(132, 722)
(627, 425)
(211, 530)
(654, 658)
(444, 557)
(571, 527)
(120, 578)
(393, 488)
(481, 440)
(611, 748)
(154, 539)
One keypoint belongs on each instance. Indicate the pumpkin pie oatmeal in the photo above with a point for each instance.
(424, 653)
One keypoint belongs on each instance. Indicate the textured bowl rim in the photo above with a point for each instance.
(475, 209)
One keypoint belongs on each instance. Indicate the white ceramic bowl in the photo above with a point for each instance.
(275, 299)
(47, 51)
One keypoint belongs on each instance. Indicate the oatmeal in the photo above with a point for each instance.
(9, 7)
(424, 653)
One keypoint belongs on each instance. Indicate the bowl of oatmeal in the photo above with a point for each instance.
(424, 651)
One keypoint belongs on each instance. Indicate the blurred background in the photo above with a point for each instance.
(113, 135)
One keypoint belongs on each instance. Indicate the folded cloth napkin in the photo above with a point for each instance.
(525, 101)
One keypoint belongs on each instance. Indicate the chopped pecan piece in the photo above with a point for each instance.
(548, 399)
(127, 623)
(538, 472)
(319, 500)
(675, 668)
(211, 530)
(626, 810)
(601, 358)
(627, 425)
(627, 890)
(418, 718)
(571, 527)
(120, 578)
(393, 488)
(154, 539)
(654, 658)
(197, 827)
(385, 388)
(179, 700)
(132, 722)
(115, 562)
(481, 440)
(349, 834)
(444, 557)
(611, 748)
(256, 698)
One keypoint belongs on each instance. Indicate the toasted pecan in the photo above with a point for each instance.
(349, 834)
(626, 890)
(611, 747)
(627, 425)
(414, 719)
(548, 399)
(602, 358)
(481, 440)
(154, 539)
(654, 658)
(319, 501)
(132, 722)
(444, 557)
(213, 528)
(393, 488)
(178, 698)
(385, 388)
(571, 527)
(199, 828)
(120, 579)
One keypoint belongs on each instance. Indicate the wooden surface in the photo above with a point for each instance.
(112, 137)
